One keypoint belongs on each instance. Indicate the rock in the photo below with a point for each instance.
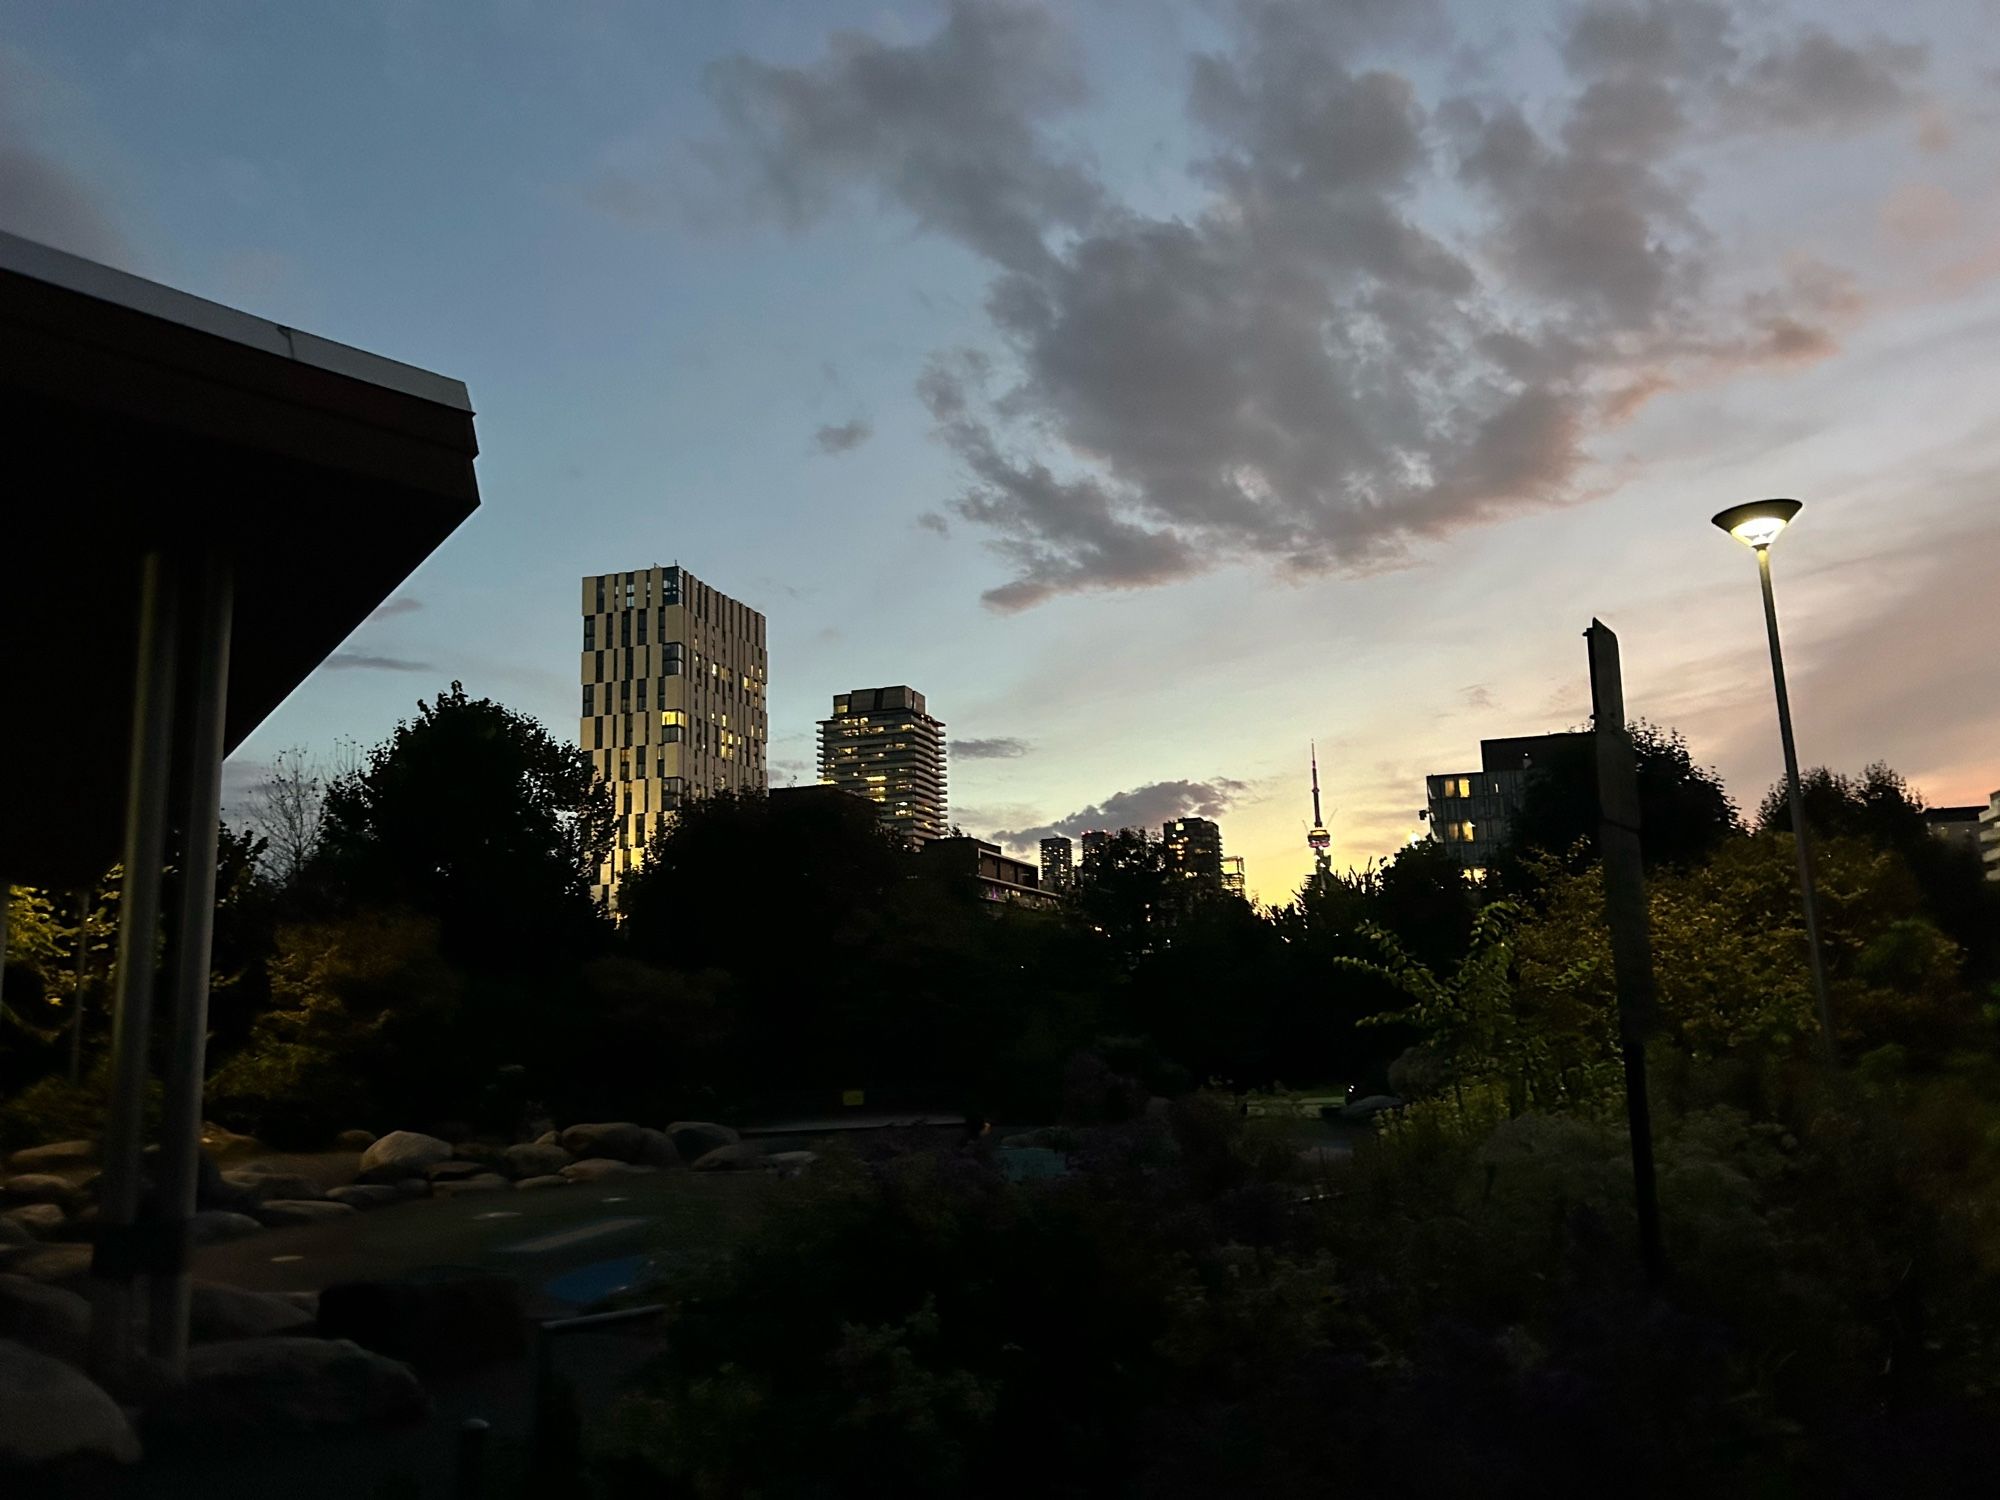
(366, 1194)
(55, 1157)
(658, 1149)
(402, 1153)
(453, 1323)
(485, 1182)
(48, 1319)
(740, 1157)
(50, 1412)
(220, 1141)
(483, 1154)
(13, 1233)
(280, 1212)
(39, 1219)
(536, 1160)
(262, 1185)
(50, 1262)
(597, 1168)
(453, 1171)
(211, 1226)
(549, 1138)
(619, 1142)
(696, 1138)
(257, 1388)
(227, 1312)
(41, 1187)
(790, 1163)
(527, 1184)
(1371, 1106)
(355, 1140)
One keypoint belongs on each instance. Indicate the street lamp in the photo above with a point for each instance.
(1757, 525)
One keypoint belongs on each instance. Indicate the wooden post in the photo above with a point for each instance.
(1625, 914)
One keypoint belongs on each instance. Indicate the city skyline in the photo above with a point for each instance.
(774, 389)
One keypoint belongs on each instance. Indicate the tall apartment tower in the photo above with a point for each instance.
(882, 745)
(1193, 848)
(674, 675)
(1058, 864)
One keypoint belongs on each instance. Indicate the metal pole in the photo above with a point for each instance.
(113, 1262)
(1626, 916)
(1806, 895)
(206, 686)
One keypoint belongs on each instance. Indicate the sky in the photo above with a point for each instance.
(1158, 388)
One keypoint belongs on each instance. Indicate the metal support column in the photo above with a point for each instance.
(199, 735)
(116, 1257)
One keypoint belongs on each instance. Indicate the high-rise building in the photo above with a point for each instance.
(1234, 881)
(1093, 846)
(1058, 864)
(1989, 837)
(882, 745)
(674, 675)
(1470, 812)
(1957, 826)
(1193, 853)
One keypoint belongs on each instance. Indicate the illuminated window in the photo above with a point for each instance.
(672, 717)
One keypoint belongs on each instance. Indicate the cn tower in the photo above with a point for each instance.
(1318, 839)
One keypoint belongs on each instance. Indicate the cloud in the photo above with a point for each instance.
(843, 438)
(361, 661)
(402, 604)
(1385, 315)
(1142, 807)
(42, 198)
(1004, 748)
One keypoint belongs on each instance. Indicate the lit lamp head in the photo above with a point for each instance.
(1757, 523)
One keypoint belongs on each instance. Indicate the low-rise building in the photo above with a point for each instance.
(1471, 812)
(999, 877)
(1957, 826)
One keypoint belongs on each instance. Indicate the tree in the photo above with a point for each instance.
(1685, 814)
(287, 809)
(476, 815)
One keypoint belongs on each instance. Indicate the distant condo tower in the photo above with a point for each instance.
(674, 675)
(1058, 863)
(880, 744)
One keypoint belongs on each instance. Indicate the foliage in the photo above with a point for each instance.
(477, 816)
(1685, 814)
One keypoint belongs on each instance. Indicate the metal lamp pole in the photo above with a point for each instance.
(1757, 525)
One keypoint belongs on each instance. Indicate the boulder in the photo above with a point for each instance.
(354, 1140)
(228, 1312)
(51, 1320)
(402, 1153)
(483, 1154)
(535, 1160)
(597, 1168)
(447, 1324)
(485, 1182)
(657, 1149)
(455, 1171)
(39, 1219)
(265, 1387)
(696, 1138)
(263, 1185)
(281, 1212)
(50, 1412)
(366, 1194)
(741, 1157)
(549, 1138)
(50, 1262)
(527, 1184)
(41, 1187)
(54, 1157)
(623, 1141)
(211, 1226)
(790, 1163)
(13, 1233)
(219, 1141)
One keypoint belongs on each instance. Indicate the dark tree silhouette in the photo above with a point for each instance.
(478, 816)
(1685, 814)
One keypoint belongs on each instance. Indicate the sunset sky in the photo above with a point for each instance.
(1156, 387)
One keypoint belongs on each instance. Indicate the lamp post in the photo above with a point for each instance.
(1757, 525)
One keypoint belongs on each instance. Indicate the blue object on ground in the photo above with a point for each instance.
(593, 1283)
